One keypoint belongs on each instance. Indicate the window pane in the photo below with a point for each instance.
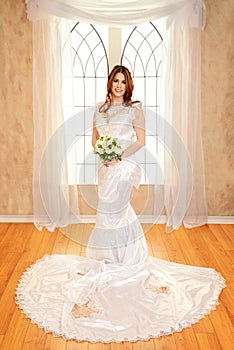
(154, 174)
(80, 146)
(150, 121)
(151, 147)
(90, 88)
(101, 90)
(90, 156)
(151, 91)
(90, 174)
(78, 91)
(88, 120)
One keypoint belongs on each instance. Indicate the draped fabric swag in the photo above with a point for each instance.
(55, 202)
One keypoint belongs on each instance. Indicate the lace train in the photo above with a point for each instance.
(83, 299)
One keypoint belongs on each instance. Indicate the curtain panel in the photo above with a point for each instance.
(115, 13)
(55, 203)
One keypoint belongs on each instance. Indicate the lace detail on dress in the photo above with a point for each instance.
(85, 310)
(80, 274)
(155, 286)
(159, 290)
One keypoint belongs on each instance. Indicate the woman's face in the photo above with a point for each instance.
(118, 88)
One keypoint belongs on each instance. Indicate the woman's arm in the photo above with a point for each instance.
(95, 134)
(139, 127)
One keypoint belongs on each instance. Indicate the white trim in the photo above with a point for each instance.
(143, 219)
(16, 218)
(221, 220)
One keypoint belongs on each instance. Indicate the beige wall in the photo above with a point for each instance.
(218, 106)
(16, 132)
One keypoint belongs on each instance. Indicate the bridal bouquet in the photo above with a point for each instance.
(107, 148)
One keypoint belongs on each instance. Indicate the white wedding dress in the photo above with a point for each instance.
(118, 293)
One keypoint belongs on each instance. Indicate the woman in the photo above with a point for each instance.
(118, 236)
(118, 292)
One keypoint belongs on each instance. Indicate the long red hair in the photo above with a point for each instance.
(129, 87)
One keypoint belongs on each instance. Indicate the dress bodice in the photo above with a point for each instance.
(117, 122)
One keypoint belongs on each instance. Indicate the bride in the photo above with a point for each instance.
(118, 292)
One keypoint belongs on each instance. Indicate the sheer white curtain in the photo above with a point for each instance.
(185, 199)
(55, 203)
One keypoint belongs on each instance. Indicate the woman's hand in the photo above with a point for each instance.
(111, 162)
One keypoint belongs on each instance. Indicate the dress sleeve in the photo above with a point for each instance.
(96, 111)
(138, 123)
(138, 115)
(136, 109)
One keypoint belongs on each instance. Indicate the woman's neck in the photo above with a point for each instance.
(117, 101)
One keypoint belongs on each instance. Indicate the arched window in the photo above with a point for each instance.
(90, 72)
(142, 54)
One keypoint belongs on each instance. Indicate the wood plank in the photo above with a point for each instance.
(4, 227)
(7, 301)
(203, 326)
(73, 248)
(35, 338)
(198, 242)
(173, 248)
(166, 342)
(30, 254)
(7, 268)
(186, 340)
(55, 343)
(230, 256)
(15, 239)
(189, 251)
(99, 346)
(7, 232)
(220, 259)
(222, 237)
(16, 331)
(144, 345)
(223, 328)
(78, 233)
(47, 244)
(121, 346)
(229, 230)
(74, 345)
(227, 300)
(1, 340)
(158, 246)
(60, 244)
(208, 341)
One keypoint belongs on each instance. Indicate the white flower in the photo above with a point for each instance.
(108, 150)
(108, 147)
(118, 151)
(101, 151)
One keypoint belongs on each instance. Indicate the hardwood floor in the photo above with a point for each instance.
(209, 246)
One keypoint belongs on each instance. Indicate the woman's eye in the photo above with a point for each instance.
(123, 82)
(115, 80)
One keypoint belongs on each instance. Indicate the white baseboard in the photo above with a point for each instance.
(143, 219)
(221, 220)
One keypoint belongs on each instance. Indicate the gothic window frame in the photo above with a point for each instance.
(85, 162)
(152, 162)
